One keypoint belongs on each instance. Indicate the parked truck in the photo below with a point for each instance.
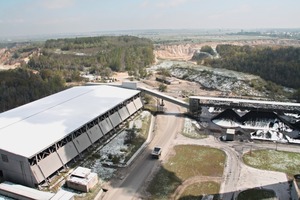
(156, 152)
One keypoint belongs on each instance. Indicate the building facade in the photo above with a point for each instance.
(42, 137)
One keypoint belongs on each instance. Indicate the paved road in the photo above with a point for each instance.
(231, 174)
(167, 125)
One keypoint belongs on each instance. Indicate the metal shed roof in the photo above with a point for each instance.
(29, 129)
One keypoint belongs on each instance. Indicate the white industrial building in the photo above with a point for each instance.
(42, 137)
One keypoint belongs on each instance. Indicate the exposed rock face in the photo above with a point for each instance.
(177, 52)
(186, 51)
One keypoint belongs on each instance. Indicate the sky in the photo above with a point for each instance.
(37, 17)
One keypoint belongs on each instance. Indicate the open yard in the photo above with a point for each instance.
(282, 161)
(188, 165)
(192, 129)
(121, 148)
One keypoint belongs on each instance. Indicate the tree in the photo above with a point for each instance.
(297, 95)
(106, 72)
(208, 49)
(164, 72)
(162, 87)
(131, 135)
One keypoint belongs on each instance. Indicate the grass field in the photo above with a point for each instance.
(196, 191)
(189, 161)
(282, 161)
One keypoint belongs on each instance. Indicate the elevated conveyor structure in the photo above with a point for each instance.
(195, 102)
(164, 97)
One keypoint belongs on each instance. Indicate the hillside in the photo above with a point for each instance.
(185, 51)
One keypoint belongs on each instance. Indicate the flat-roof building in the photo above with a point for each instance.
(41, 137)
(230, 134)
(82, 179)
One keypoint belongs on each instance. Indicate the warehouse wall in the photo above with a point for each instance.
(94, 133)
(16, 168)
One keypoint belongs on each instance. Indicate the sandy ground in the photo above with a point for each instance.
(121, 76)
(7, 67)
(252, 178)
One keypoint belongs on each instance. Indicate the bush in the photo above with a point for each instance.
(208, 49)
(116, 159)
(162, 87)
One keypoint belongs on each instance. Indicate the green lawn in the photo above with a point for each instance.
(189, 161)
(282, 161)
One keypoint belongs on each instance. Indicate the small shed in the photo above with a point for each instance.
(82, 179)
(230, 134)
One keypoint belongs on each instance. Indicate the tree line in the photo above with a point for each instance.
(280, 65)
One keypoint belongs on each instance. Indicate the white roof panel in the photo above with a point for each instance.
(31, 128)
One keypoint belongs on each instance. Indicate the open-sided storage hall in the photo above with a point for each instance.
(42, 137)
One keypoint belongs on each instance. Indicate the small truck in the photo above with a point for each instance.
(156, 152)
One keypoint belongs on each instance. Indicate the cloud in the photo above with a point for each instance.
(245, 8)
(163, 3)
(57, 4)
(240, 10)
(145, 4)
(170, 3)
(12, 21)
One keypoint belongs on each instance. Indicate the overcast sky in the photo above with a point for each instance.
(35, 17)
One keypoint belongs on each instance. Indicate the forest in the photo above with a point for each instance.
(21, 86)
(280, 65)
(62, 60)
(122, 53)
